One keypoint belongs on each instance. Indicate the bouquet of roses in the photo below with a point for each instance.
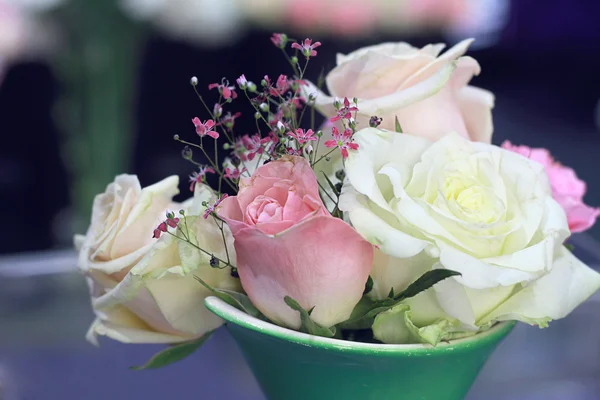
(396, 221)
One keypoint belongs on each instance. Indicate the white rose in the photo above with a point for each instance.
(143, 289)
(469, 207)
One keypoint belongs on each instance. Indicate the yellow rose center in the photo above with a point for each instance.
(468, 199)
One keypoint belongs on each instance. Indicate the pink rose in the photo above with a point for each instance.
(428, 92)
(567, 189)
(287, 244)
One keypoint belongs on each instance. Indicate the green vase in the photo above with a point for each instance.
(290, 365)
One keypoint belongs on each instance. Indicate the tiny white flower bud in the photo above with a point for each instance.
(336, 103)
(280, 126)
(194, 81)
(242, 82)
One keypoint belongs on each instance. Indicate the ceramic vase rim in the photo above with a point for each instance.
(232, 315)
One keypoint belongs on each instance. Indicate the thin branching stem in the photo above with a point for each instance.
(225, 263)
(324, 156)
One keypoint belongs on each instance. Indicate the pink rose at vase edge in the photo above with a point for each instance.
(567, 189)
(287, 244)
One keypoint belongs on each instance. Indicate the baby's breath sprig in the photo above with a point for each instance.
(177, 227)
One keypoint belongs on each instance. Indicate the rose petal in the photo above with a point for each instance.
(374, 225)
(141, 221)
(440, 62)
(391, 272)
(296, 208)
(365, 168)
(476, 107)
(431, 117)
(321, 263)
(274, 227)
(147, 290)
(376, 72)
(466, 304)
(553, 296)
(388, 105)
(478, 274)
(581, 217)
(439, 114)
(291, 169)
(122, 325)
(401, 50)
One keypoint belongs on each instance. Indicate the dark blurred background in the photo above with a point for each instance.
(540, 59)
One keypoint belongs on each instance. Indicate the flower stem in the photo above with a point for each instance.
(323, 156)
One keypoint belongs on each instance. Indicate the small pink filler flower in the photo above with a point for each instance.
(303, 136)
(342, 140)
(567, 189)
(212, 207)
(279, 40)
(344, 112)
(307, 47)
(205, 128)
(198, 177)
(228, 92)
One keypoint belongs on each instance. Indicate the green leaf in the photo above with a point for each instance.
(425, 281)
(398, 127)
(331, 185)
(569, 247)
(173, 354)
(234, 299)
(391, 293)
(368, 285)
(308, 325)
(366, 320)
(241, 302)
(364, 313)
(354, 322)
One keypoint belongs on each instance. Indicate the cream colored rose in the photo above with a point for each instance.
(143, 289)
(469, 207)
(123, 218)
(428, 92)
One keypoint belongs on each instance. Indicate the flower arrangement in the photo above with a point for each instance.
(394, 222)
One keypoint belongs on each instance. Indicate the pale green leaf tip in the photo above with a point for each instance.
(398, 126)
(410, 333)
(173, 354)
